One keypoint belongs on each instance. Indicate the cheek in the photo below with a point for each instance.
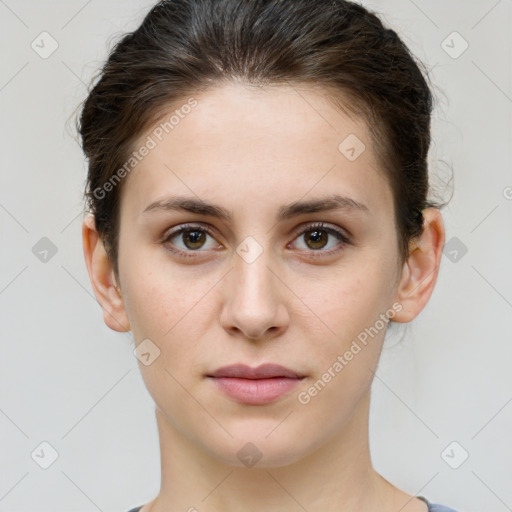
(349, 300)
(346, 354)
(160, 295)
(160, 310)
(172, 309)
(166, 310)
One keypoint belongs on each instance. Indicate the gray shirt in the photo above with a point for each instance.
(432, 507)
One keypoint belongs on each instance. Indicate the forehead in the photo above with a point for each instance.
(243, 146)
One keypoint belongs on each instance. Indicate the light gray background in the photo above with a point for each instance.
(66, 379)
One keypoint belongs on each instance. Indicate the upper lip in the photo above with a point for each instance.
(264, 371)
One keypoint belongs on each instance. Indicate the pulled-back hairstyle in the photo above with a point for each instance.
(184, 47)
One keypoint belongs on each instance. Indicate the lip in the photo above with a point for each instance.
(255, 386)
(264, 371)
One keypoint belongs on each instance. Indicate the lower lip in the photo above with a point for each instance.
(255, 391)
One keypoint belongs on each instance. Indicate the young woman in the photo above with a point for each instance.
(259, 215)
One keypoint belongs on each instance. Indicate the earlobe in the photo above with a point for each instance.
(102, 277)
(420, 271)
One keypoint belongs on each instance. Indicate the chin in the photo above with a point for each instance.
(258, 452)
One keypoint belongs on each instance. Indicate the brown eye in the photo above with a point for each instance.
(188, 240)
(196, 238)
(317, 236)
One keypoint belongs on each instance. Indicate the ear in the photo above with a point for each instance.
(419, 274)
(102, 278)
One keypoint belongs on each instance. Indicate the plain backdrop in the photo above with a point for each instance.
(441, 417)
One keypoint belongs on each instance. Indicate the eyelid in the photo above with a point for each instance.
(186, 227)
(309, 226)
(178, 230)
(343, 236)
(297, 231)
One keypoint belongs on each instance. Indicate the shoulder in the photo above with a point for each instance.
(432, 507)
(436, 507)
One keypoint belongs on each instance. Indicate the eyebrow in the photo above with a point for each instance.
(198, 206)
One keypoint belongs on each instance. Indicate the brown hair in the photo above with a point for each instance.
(184, 47)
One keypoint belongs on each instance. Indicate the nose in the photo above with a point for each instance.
(253, 305)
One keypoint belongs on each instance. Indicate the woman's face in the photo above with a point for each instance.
(259, 287)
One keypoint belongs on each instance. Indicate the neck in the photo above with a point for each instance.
(336, 476)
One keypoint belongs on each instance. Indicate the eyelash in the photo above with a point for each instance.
(205, 229)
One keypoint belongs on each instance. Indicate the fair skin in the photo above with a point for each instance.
(300, 303)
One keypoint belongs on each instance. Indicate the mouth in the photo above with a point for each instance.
(255, 386)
